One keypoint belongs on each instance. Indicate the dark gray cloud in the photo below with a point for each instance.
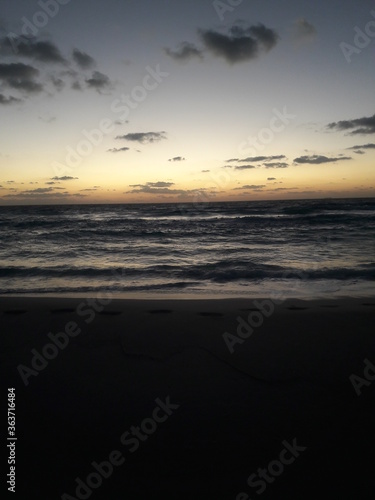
(282, 189)
(143, 137)
(64, 178)
(162, 188)
(20, 76)
(271, 178)
(117, 150)
(38, 191)
(359, 126)
(35, 78)
(244, 167)
(177, 158)
(254, 187)
(241, 44)
(160, 184)
(261, 158)
(319, 159)
(58, 83)
(279, 164)
(362, 146)
(8, 100)
(44, 51)
(41, 194)
(83, 60)
(265, 36)
(185, 52)
(76, 85)
(98, 81)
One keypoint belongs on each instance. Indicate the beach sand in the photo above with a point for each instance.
(287, 381)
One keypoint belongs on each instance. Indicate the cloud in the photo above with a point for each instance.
(76, 85)
(155, 188)
(261, 158)
(254, 187)
(282, 189)
(98, 81)
(47, 118)
(271, 178)
(41, 194)
(38, 191)
(279, 164)
(258, 159)
(161, 188)
(58, 83)
(8, 100)
(64, 178)
(319, 159)
(83, 60)
(44, 51)
(34, 78)
(143, 137)
(244, 167)
(362, 146)
(304, 31)
(117, 150)
(241, 44)
(185, 52)
(177, 158)
(359, 126)
(20, 76)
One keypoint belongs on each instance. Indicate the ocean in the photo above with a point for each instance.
(300, 249)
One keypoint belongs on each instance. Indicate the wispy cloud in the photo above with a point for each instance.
(244, 167)
(279, 164)
(98, 81)
(64, 178)
(319, 159)
(363, 146)
(304, 31)
(184, 52)
(260, 158)
(359, 126)
(177, 158)
(8, 100)
(19, 76)
(161, 188)
(83, 60)
(40, 50)
(117, 150)
(253, 187)
(143, 137)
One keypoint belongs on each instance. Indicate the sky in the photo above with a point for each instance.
(125, 101)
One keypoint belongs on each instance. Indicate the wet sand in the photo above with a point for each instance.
(186, 399)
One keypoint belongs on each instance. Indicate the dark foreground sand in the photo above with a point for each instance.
(230, 414)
